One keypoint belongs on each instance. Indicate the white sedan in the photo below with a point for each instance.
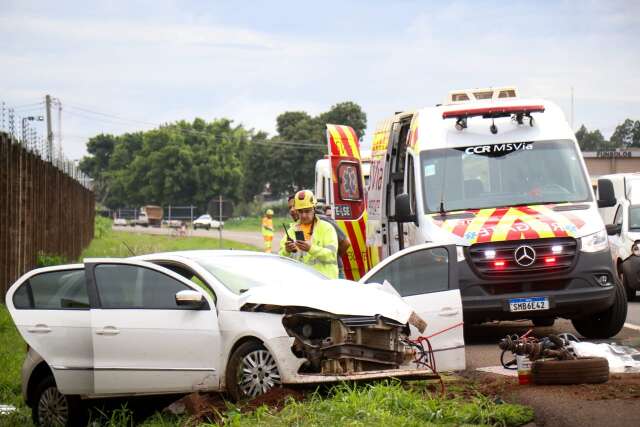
(205, 221)
(234, 321)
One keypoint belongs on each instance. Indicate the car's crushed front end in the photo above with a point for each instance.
(321, 346)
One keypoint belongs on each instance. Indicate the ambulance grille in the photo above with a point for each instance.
(498, 259)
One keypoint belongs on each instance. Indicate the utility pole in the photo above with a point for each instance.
(572, 128)
(220, 219)
(49, 132)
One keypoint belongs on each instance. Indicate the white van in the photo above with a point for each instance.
(503, 179)
(623, 226)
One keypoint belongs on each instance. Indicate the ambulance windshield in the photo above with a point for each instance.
(519, 173)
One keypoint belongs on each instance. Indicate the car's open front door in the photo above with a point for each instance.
(426, 278)
(349, 198)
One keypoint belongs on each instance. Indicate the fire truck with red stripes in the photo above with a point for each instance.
(502, 178)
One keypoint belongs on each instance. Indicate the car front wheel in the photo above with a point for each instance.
(52, 408)
(251, 371)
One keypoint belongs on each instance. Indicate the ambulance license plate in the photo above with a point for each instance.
(529, 304)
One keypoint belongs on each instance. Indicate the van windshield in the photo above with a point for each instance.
(519, 173)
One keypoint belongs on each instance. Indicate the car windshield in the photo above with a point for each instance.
(240, 273)
(634, 218)
(484, 176)
(204, 217)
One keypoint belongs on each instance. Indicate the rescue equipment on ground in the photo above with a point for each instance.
(551, 360)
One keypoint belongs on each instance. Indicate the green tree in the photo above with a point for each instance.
(590, 141)
(627, 134)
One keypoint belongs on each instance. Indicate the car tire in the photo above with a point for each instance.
(543, 321)
(208, 227)
(631, 293)
(584, 370)
(606, 323)
(251, 371)
(51, 407)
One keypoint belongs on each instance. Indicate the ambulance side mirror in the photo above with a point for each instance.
(606, 195)
(403, 209)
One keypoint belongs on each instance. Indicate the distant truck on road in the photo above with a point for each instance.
(150, 215)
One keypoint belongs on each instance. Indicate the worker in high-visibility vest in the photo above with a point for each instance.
(311, 240)
(267, 230)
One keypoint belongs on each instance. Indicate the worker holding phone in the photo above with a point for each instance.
(310, 240)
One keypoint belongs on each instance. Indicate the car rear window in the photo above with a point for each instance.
(53, 290)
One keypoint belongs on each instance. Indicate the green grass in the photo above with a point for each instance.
(112, 244)
(12, 351)
(254, 223)
(385, 404)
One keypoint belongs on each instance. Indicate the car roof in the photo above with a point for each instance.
(204, 253)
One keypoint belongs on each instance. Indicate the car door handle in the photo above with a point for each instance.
(40, 329)
(448, 311)
(108, 330)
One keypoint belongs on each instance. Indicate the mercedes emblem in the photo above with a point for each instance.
(525, 255)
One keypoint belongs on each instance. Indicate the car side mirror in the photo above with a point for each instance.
(403, 209)
(191, 299)
(606, 195)
(613, 229)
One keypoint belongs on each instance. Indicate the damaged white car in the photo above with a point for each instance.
(234, 321)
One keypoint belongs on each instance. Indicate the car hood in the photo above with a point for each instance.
(341, 297)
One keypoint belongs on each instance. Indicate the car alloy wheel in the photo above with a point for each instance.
(259, 373)
(53, 408)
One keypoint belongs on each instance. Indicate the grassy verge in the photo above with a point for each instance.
(112, 244)
(12, 351)
(253, 223)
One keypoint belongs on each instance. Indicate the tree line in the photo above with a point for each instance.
(625, 135)
(190, 163)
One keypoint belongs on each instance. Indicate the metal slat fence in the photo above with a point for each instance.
(45, 207)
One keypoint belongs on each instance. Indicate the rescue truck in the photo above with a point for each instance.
(503, 179)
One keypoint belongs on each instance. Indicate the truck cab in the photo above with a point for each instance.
(503, 179)
(623, 226)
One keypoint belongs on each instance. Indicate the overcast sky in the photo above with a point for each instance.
(158, 61)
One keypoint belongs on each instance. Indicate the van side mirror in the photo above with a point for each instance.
(403, 209)
(613, 229)
(606, 195)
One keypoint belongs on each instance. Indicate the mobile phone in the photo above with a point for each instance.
(300, 235)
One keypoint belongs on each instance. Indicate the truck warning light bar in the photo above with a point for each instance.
(518, 111)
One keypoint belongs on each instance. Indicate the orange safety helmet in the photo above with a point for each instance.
(304, 199)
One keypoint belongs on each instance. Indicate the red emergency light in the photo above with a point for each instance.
(493, 112)
(550, 260)
(499, 264)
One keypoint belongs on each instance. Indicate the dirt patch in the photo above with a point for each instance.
(210, 407)
(619, 386)
(616, 402)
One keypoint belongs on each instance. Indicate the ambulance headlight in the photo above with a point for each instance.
(595, 242)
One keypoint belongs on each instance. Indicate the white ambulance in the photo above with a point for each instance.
(503, 179)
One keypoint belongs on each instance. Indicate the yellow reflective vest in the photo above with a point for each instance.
(324, 248)
(267, 226)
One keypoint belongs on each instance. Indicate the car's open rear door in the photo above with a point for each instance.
(349, 198)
